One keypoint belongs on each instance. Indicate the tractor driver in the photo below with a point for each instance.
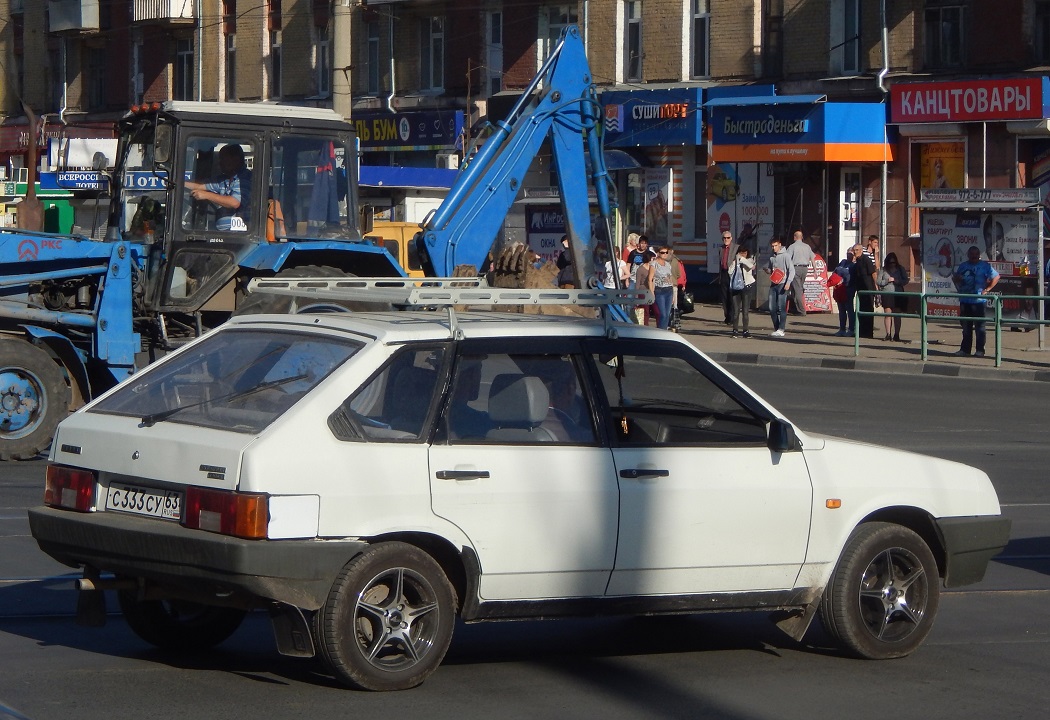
(230, 191)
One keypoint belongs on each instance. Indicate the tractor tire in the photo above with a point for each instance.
(34, 397)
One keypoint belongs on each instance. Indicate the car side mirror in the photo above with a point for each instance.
(782, 437)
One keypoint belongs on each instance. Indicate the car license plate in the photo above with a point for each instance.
(165, 504)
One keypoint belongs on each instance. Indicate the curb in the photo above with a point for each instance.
(882, 366)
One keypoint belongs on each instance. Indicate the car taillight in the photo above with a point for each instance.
(244, 515)
(68, 487)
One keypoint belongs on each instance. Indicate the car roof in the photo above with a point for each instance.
(415, 326)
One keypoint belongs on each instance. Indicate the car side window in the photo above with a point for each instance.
(518, 398)
(656, 400)
(395, 403)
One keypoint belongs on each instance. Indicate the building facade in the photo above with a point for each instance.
(761, 116)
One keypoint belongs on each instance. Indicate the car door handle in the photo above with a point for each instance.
(635, 473)
(462, 474)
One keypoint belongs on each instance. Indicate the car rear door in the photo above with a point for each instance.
(518, 467)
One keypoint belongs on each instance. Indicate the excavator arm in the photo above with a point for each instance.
(559, 104)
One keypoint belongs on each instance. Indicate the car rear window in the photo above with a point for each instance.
(238, 379)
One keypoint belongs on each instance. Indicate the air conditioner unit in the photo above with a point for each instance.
(448, 161)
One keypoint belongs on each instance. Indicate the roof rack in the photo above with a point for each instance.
(450, 291)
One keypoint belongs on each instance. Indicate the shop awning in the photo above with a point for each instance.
(406, 177)
(799, 128)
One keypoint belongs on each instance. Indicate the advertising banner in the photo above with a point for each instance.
(969, 100)
(815, 289)
(658, 193)
(544, 228)
(1009, 241)
(740, 200)
(943, 165)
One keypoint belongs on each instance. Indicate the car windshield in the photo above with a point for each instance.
(238, 379)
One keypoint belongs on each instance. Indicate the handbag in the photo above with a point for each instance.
(777, 276)
(685, 301)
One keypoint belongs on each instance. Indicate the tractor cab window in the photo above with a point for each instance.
(217, 187)
(143, 198)
(308, 188)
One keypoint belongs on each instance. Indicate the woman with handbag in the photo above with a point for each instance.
(662, 285)
(741, 287)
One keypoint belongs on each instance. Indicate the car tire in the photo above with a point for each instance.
(260, 303)
(34, 398)
(177, 624)
(882, 598)
(388, 619)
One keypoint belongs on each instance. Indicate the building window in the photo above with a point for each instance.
(845, 37)
(1042, 32)
(372, 62)
(633, 41)
(558, 18)
(182, 83)
(137, 75)
(231, 67)
(275, 64)
(56, 71)
(229, 29)
(97, 68)
(274, 24)
(944, 37)
(494, 52)
(772, 38)
(432, 53)
(324, 66)
(700, 63)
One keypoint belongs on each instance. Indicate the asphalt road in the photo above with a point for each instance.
(987, 655)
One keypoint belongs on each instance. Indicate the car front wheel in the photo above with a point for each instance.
(388, 619)
(882, 597)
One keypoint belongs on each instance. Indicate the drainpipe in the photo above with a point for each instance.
(393, 78)
(200, 51)
(586, 25)
(65, 80)
(883, 224)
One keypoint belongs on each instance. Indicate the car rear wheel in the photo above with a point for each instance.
(388, 619)
(883, 596)
(177, 624)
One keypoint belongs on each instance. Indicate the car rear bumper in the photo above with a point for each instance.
(970, 543)
(297, 572)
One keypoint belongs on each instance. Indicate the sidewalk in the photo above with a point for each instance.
(810, 342)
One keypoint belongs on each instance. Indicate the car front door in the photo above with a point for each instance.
(705, 505)
(518, 467)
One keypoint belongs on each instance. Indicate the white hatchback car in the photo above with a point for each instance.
(368, 477)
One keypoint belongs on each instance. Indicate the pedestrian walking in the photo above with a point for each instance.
(801, 255)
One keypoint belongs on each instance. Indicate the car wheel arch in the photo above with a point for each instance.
(918, 521)
(447, 555)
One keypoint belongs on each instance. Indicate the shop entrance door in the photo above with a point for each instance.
(848, 209)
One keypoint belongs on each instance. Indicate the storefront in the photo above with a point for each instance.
(408, 161)
(782, 163)
(657, 158)
(975, 134)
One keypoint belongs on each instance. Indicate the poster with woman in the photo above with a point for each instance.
(942, 165)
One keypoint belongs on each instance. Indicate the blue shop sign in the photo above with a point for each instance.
(647, 118)
(422, 130)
